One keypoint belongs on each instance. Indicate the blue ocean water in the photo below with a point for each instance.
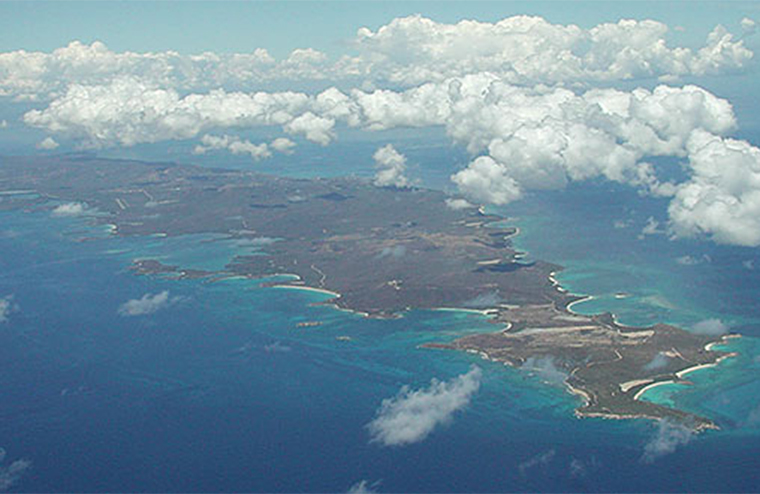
(644, 279)
(222, 391)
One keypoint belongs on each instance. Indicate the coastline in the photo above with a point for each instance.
(482, 312)
(646, 388)
(689, 370)
(566, 302)
(585, 298)
(308, 289)
(555, 283)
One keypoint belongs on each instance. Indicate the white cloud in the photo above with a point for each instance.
(484, 300)
(3, 124)
(540, 460)
(710, 327)
(688, 260)
(521, 138)
(410, 50)
(668, 437)
(147, 304)
(394, 252)
(364, 487)
(652, 227)
(546, 369)
(391, 166)
(11, 474)
(68, 209)
(485, 180)
(659, 361)
(129, 111)
(412, 415)
(524, 49)
(544, 138)
(7, 307)
(458, 204)
(313, 127)
(283, 145)
(31, 75)
(722, 198)
(748, 25)
(234, 145)
(47, 144)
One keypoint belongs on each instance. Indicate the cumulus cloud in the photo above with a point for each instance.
(129, 111)
(283, 145)
(391, 166)
(412, 415)
(7, 307)
(722, 198)
(668, 437)
(490, 85)
(710, 327)
(68, 209)
(529, 49)
(485, 180)
(3, 124)
(11, 474)
(523, 138)
(234, 145)
(147, 304)
(31, 75)
(313, 127)
(458, 204)
(408, 51)
(47, 144)
(545, 138)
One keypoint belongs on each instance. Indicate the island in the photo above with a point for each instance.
(378, 251)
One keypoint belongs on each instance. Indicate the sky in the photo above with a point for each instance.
(281, 26)
(538, 94)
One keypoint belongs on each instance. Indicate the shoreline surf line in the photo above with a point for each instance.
(308, 289)
(646, 388)
(695, 368)
(584, 298)
(482, 312)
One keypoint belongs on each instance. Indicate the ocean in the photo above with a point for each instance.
(222, 390)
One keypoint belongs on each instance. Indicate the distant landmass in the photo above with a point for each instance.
(378, 251)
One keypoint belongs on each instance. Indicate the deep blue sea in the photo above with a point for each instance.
(222, 391)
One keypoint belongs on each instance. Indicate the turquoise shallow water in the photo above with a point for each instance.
(644, 279)
(222, 391)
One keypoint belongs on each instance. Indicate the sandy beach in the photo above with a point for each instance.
(309, 289)
(571, 304)
(684, 372)
(653, 385)
(482, 312)
(627, 386)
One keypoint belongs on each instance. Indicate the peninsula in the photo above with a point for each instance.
(380, 251)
